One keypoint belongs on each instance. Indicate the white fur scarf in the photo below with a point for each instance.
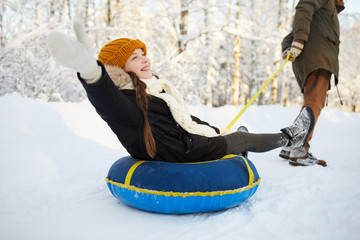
(171, 96)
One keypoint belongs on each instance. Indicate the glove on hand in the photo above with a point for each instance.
(295, 50)
(77, 55)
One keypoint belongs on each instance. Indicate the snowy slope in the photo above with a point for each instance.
(54, 158)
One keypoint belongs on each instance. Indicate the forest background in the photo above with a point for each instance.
(217, 52)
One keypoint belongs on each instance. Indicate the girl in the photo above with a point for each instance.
(148, 115)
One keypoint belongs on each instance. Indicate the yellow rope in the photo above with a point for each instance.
(256, 95)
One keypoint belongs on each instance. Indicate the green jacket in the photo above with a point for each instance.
(316, 23)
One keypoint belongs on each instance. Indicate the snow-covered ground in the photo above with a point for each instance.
(54, 158)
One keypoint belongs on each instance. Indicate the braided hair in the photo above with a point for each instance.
(142, 102)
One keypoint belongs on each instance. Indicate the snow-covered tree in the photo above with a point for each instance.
(216, 52)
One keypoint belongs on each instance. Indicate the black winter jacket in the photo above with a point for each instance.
(173, 144)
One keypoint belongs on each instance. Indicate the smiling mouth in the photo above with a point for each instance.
(146, 68)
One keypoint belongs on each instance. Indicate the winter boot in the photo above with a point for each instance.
(243, 129)
(300, 156)
(299, 132)
(307, 160)
(293, 153)
(285, 152)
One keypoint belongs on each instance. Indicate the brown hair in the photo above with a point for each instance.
(142, 102)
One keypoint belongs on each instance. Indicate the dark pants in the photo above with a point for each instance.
(238, 142)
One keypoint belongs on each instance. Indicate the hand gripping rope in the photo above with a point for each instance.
(256, 95)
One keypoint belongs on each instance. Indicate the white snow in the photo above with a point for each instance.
(54, 158)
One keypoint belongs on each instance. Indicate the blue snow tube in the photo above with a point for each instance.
(177, 188)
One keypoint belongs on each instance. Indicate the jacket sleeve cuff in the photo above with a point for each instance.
(98, 78)
(301, 36)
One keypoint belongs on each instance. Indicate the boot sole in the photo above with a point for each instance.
(284, 156)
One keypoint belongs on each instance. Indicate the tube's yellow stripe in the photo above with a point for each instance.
(229, 156)
(251, 173)
(131, 172)
(133, 168)
(185, 194)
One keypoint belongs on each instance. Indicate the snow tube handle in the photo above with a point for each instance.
(131, 171)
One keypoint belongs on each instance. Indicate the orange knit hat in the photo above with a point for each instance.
(118, 51)
(339, 2)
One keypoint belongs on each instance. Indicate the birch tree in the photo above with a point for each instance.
(236, 72)
(280, 24)
(2, 12)
(216, 52)
(183, 26)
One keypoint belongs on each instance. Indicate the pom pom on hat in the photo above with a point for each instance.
(118, 51)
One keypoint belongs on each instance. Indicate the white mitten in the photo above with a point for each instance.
(295, 50)
(77, 55)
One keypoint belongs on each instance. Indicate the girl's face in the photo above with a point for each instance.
(139, 64)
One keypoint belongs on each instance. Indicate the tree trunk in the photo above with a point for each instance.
(86, 13)
(63, 12)
(286, 83)
(117, 7)
(207, 97)
(236, 71)
(275, 84)
(69, 9)
(353, 100)
(2, 32)
(286, 93)
(38, 13)
(183, 26)
(108, 13)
